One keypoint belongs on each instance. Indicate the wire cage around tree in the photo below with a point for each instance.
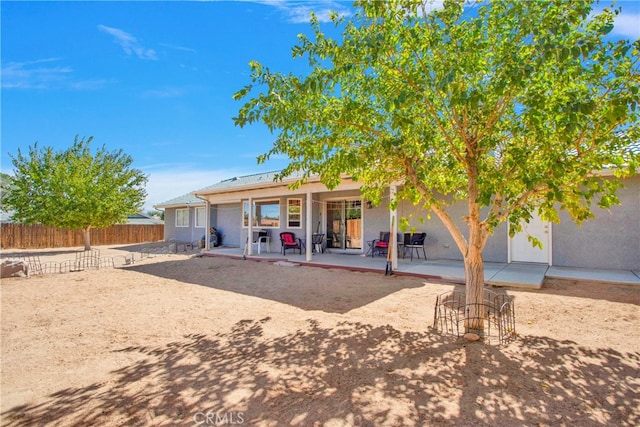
(497, 310)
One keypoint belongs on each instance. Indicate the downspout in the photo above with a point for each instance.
(250, 228)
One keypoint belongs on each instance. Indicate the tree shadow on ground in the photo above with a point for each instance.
(308, 288)
(351, 374)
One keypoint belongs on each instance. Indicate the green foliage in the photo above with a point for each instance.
(514, 108)
(5, 186)
(74, 188)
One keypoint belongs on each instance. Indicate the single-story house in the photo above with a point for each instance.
(611, 240)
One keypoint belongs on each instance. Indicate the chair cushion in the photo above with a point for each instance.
(288, 239)
(382, 245)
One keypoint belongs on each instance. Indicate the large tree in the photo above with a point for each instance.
(75, 188)
(511, 107)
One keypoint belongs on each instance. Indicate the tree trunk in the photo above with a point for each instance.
(87, 238)
(474, 279)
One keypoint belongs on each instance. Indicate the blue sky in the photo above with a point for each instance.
(155, 79)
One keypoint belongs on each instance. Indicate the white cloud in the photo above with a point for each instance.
(129, 43)
(298, 11)
(44, 74)
(33, 75)
(627, 25)
(180, 48)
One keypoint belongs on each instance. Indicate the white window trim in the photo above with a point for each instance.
(179, 225)
(204, 218)
(278, 201)
(289, 226)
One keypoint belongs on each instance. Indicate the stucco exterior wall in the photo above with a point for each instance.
(440, 244)
(228, 222)
(183, 234)
(609, 241)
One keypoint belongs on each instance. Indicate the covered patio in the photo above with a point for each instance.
(520, 275)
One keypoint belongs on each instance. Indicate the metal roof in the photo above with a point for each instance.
(185, 200)
(247, 180)
(266, 178)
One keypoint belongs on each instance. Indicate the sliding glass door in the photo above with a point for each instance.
(344, 224)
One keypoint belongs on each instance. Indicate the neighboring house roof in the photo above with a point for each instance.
(137, 219)
(5, 216)
(142, 219)
(634, 147)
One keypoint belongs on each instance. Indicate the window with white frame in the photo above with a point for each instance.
(201, 218)
(182, 217)
(294, 213)
(266, 214)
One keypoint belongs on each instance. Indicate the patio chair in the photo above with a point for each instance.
(402, 245)
(318, 243)
(417, 242)
(290, 241)
(380, 246)
(264, 236)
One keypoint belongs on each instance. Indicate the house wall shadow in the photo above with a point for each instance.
(308, 288)
(351, 374)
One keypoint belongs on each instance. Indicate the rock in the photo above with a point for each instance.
(285, 264)
(471, 337)
(14, 268)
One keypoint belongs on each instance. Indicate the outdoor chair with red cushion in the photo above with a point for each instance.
(290, 241)
(380, 246)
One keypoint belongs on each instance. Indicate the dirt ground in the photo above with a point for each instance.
(180, 340)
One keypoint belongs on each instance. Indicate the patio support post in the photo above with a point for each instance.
(250, 228)
(192, 221)
(309, 228)
(393, 223)
(207, 220)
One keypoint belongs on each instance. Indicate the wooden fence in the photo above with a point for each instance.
(39, 236)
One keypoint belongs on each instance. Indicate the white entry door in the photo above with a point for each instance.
(521, 248)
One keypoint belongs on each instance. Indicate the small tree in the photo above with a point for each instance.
(74, 188)
(5, 185)
(511, 108)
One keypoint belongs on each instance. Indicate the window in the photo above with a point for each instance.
(201, 218)
(294, 213)
(266, 214)
(182, 217)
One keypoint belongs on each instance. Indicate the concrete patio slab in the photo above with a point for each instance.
(615, 276)
(519, 275)
(523, 275)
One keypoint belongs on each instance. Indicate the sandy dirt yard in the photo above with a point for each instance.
(178, 340)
